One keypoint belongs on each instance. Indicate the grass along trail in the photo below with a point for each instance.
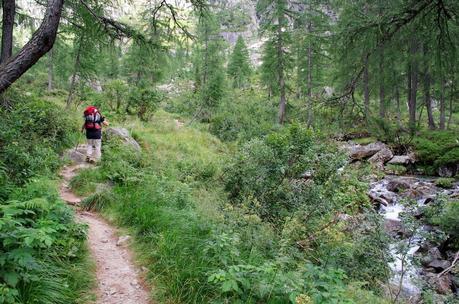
(118, 280)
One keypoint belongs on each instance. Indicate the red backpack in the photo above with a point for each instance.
(92, 118)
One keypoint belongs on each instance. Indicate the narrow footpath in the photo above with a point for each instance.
(118, 280)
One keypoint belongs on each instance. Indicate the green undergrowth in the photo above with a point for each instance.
(200, 247)
(437, 148)
(43, 254)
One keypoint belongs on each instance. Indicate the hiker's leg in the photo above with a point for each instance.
(97, 146)
(89, 148)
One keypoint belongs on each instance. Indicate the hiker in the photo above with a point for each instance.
(93, 121)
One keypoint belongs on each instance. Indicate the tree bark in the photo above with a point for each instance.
(40, 43)
(442, 124)
(366, 89)
(399, 111)
(427, 85)
(450, 118)
(9, 11)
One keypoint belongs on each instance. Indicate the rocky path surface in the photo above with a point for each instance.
(118, 280)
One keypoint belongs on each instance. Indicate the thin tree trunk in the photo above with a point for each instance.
(280, 71)
(399, 111)
(366, 90)
(450, 118)
(442, 103)
(428, 101)
(413, 86)
(382, 92)
(50, 70)
(9, 11)
(40, 43)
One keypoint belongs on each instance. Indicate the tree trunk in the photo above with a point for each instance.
(280, 73)
(366, 90)
(399, 111)
(413, 85)
(427, 95)
(382, 93)
(40, 43)
(9, 11)
(428, 100)
(442, 123)
(450, 118)
(50, 70)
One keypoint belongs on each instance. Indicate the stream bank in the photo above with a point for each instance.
(422, 256)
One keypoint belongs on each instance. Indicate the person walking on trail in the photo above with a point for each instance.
(93, 122)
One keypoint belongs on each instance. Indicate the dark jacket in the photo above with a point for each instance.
(95, 133)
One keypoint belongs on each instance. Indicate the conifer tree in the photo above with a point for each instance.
(276, 56)
(208, 65)
(239, 68)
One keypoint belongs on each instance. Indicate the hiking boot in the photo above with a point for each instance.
(92, 161)
(88, 160)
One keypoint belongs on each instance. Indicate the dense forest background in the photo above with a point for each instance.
(245, 190)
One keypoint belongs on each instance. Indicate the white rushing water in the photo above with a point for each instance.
(404, 273)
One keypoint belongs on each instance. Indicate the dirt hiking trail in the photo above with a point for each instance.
(118, 280)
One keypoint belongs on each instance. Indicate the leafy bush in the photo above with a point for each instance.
(116, 94)
(437, 148)
(445, 214)
(144, 101)
(243, 117)
(31, 137)
(267, 174)
(445, 182)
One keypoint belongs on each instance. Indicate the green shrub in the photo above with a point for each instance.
(242, 118)
(437, 148)
(143, 101)
(31, 137)
(266, 174)
(445, 214)
(445, 182)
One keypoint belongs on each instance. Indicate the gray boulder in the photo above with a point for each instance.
(448, 171)
(381, 157)
(402, 159)
(399, 184)
(76, 155)
(124, 135)
(439, 265)
(357, 152)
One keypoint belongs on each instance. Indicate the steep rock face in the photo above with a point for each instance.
(239, 18)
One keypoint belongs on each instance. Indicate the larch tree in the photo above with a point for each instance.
(239, 68)
(277, 55)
